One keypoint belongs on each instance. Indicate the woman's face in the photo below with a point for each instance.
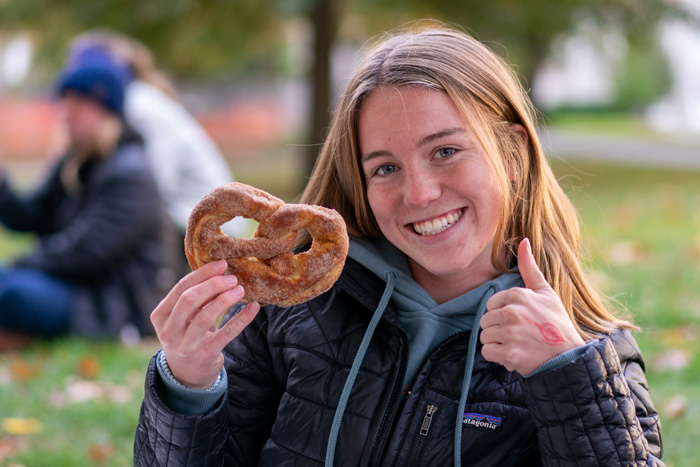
(430, 187)
(82, 117)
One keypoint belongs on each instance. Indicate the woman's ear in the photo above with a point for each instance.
(521, 131)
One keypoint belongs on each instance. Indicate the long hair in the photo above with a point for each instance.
(491, 99)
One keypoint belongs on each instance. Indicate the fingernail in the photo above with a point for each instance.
(529, 246)
(238, 291)
(232, 280)
(221, 264)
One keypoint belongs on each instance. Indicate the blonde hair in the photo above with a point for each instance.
(491, 99)
(136, 55)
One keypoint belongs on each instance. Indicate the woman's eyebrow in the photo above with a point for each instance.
(440, 134)
(422, 142)
(371, 155)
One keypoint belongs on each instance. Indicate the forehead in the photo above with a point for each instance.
(408, 114)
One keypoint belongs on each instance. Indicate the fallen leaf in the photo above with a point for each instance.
(79, 390)
(21, 426)
(88, 367)
(82, 391)
(5, 375)
(11, 445)
(623, 253)
(100, 453)
(118, 394)
(672, 360)
(676, 407)
(22, 370)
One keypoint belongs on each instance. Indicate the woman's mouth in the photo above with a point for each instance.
(437, 225)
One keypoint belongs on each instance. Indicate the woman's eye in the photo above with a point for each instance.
(446, 152)
(386, 169)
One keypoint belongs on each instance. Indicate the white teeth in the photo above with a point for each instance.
(438, 225)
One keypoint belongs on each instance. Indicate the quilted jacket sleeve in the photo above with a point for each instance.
(597, 410)
(167, 438)
(234, 431)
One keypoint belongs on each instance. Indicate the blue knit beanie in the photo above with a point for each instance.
(99, 81)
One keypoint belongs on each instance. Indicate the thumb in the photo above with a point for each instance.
(532, 276)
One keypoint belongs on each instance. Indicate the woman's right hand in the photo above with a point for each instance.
(185, 321)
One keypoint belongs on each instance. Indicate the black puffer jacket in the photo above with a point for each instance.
(287, 370)
(111, 238)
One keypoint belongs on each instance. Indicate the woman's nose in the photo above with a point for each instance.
(420, 188)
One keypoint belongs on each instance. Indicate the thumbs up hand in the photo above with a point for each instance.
(525, 327)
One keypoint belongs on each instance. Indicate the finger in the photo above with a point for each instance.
(490, 318)
(162, 312)
(532, 276)
(204, 320)
(490, 335)
(234, 326)
(493, 353)
(503, 298)
(199, 296)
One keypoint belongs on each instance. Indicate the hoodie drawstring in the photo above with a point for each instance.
(468, 367)
(354, 370)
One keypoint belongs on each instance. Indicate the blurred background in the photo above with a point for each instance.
(617, 83)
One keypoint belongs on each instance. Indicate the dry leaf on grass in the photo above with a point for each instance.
(79, 391)
(11, 445)
(676, 407)
(5, 375)
(88, 367)
(22, 370)
(672, 360)
(623, 253)
(21, 426)
(100, 453)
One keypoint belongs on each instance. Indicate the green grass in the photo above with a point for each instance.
(599, 122)
(641, 231)
(41, 383)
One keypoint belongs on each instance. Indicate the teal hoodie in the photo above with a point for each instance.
(426, 322)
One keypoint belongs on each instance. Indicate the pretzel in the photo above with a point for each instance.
(265, 265)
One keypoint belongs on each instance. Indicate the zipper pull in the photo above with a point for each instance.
(429, 412)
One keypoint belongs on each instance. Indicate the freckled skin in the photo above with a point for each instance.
(422, 162)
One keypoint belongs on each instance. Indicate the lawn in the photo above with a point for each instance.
(75, 402)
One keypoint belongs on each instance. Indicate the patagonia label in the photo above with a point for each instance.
(480, 420)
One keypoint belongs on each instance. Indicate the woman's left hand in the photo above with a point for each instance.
(525, 327)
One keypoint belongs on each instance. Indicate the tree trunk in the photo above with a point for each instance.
(323, 18)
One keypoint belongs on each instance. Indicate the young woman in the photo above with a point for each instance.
(100, 264)
(463, 330)
(184, 160)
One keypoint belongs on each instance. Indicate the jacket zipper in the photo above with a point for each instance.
(429, 412)
(423, 433)
(381, 439)
(389, 413)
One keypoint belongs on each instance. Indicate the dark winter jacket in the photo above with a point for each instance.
(286, 372)
(108, 239)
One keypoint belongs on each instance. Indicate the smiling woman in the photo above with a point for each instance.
(462, 325)
(438, 203)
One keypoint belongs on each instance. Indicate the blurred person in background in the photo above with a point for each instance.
(463, 329)
(101, 262)
(185, 161)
